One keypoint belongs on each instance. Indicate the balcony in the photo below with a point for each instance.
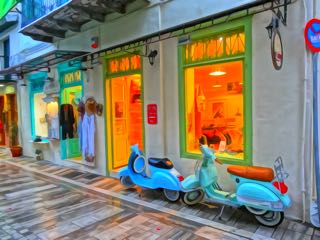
(49, 20)
(32, 10)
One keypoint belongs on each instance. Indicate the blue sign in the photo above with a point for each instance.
(312, 35)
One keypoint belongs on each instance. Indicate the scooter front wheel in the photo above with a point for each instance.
(171, 195)
(193, 197)
(126, 181)
(270, 219)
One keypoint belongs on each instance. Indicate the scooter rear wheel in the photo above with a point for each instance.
(270, 219)
(126, 181)
(256, 211)
(193, 197)
(171, 195)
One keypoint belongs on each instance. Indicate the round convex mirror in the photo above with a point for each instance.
(276, 50)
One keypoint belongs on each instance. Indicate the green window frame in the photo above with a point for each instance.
(108, 75)
(36, 83)
(224, 29)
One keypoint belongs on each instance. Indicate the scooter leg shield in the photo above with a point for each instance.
(190, 182)
(259, 196)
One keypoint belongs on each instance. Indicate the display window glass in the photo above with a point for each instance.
(215, 93)
(45, 116)
(214, 108)
(39, 115)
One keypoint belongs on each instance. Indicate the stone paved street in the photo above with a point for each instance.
(40, 207)
(36, 208)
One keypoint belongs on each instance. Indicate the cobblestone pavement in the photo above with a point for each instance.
(32, 207)
(232, 221)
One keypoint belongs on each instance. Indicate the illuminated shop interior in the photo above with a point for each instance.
(214, 108)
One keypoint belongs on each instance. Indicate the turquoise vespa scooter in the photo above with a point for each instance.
(162, 174)
(257, 189)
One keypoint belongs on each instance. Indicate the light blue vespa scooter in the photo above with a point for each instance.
(256, 188)
(162, 174)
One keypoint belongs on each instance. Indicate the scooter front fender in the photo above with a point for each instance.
(123, 172)
(190, 183)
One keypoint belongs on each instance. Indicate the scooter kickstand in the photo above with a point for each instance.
(221, 212)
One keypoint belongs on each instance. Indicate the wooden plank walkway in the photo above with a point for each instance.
(231, 217)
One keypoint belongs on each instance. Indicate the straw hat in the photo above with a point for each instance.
(90, 106)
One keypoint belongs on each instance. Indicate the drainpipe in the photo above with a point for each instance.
(162, 90)
(305, 122)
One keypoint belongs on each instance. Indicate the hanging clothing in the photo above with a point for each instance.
(87, 136)
(67, 120)
(80, 133)
(53, 127)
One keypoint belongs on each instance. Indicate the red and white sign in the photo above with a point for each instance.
(312, 35)
(152, 114)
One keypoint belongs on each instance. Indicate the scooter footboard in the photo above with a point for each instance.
(259, 196)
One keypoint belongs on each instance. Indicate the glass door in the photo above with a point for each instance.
(70, 146)
(126, 117)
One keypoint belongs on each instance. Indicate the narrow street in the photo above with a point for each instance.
(35, 208)
(41, 200)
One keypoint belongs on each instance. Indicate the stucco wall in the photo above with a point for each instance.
(278, 99)
(277, 102)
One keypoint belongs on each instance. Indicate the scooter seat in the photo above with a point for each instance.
(256, 173)
(164, 163)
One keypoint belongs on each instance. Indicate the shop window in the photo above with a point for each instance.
(218, 46)
(44, 111)
(39, 115)
(215, 93)
(124, 64)
(214, 108)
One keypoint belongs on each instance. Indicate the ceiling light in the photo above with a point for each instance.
(217, 86)
(217, 73)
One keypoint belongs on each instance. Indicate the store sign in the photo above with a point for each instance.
(6, 6)
(72, 77)
(312, 35)
(152, 114)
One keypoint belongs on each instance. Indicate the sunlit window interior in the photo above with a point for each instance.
(214, 108)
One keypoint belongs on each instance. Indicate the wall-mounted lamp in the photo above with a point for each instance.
(151, 56)
(274, 24)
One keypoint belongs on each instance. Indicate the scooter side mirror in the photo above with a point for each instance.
(219, 161)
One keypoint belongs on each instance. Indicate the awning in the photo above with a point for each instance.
(39, 63)
(72, 15)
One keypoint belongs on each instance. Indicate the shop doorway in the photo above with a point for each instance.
(126, 114)
(70, 146)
